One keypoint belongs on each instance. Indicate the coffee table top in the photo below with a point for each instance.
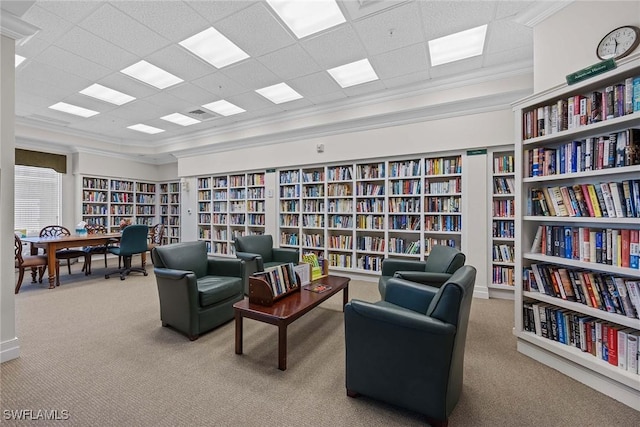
(298, 303)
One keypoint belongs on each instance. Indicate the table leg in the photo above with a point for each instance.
(282, 347)
(345, 296)
(238, 317)
(51, 261)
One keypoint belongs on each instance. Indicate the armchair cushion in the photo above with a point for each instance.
(213, 289)
(191, 257)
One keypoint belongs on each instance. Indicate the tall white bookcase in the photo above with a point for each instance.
(170, 211)
(357, 214)
(551, 158)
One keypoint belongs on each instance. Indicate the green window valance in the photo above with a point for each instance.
(57, 162)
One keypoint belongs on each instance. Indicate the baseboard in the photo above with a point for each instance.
(9, 350)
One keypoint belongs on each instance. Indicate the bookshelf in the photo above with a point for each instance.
(502, 216)
(170, 211)
(229, 206)
(564, 147)
(357, 214)
(107, 201)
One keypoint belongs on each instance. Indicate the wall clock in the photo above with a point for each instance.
(619, 42)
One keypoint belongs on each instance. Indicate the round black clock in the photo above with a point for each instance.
(619, 42)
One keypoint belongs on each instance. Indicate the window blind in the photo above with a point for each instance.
(38, 198)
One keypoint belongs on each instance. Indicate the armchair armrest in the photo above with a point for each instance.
(409, 295)
(391, 265)
(168, 273)
(225, 267)
(424, 277)
(286, 255)
(247, 256)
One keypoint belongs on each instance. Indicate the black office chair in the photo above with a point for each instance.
(132, 242)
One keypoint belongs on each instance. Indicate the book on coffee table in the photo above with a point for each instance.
(318, 288)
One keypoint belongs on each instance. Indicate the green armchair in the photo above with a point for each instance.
(196, 291)
(408, 350)
(258, 253)
(441, 263)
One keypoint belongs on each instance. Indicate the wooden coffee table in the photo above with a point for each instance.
(284, 311)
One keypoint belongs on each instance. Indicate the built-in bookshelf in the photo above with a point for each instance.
(357, 214)
(502, 216)
(170, 211)
(578, 203)
(107, 201)
(230, 206)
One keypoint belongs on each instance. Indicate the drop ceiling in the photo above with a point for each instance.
(85, 42)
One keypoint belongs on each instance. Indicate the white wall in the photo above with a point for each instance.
(566, 42)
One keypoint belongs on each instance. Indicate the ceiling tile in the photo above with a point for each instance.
(122, 30)
(457, 67)
(219, 84)
(272, 35)
(72, 63)
(418, 78)
(327, 97)
(214, 11)
(250, 101)
(165, 102)
(316, 84)
(123, 83)
(251, 74)
(74, 11)
(51, 25)
(85, 44)
(365, 88)
(290, 62)
(139, 111)
(510, 9)
(56, 78)
(504, 57)
(336, 47)
(401, 61)
(397, 27)
(88, 102)
(507, 35)
(191, 93)
(34, 46)
(162, 16)
(180, 62)
(448, 17)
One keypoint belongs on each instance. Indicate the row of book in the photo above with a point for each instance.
(580, 110)
(603, 200)
(504, 164)
(502, 275)
(611, 246)
(503, 229)
(605, 292)
(608, 342)
(369, 262)
(618, 149)
(504, 185)
(504, 208)
(401, 246)
(503, 253)
(281, 278)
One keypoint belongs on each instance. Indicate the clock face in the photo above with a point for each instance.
(619, 43)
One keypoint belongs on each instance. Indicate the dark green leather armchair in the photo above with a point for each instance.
(408, 350)
(441, 263)
(196, 291)
(258, 253)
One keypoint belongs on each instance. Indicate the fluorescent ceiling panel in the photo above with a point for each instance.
(106, 94)
(308, 17)
(19, 60)
(150, 74)
(214, 48)
(73, 109)
(455, 47)
(354, 73)
(144, 128)
(224, 108)
(279, 93)
(180, 119)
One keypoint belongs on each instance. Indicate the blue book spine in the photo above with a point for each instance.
(560, 322)
(636, 94)
(568, 247)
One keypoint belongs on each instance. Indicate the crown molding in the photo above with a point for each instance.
(541, 11)
(15, 28)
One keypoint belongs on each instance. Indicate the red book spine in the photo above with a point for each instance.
(626, 246)
(612, 342)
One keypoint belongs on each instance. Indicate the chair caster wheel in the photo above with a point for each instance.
(121, 277)
(106, 276)
(145, 274)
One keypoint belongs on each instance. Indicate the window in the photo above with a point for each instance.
(38, 198)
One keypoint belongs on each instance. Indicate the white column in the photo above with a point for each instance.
(11, 29)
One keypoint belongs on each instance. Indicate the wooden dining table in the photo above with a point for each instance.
(52, 244)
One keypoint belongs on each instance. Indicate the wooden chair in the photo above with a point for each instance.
(67, 253)
(33, 262)
(156, 235)
(93, 250)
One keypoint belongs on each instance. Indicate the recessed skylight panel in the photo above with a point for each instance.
(224, 108)
(214, 47)
(106, 94)
(180, 119)
(279, 93)
(354, 73)
(308, 17)
(73, 109)
(145, 129)
(150, 74)
(455, 47)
